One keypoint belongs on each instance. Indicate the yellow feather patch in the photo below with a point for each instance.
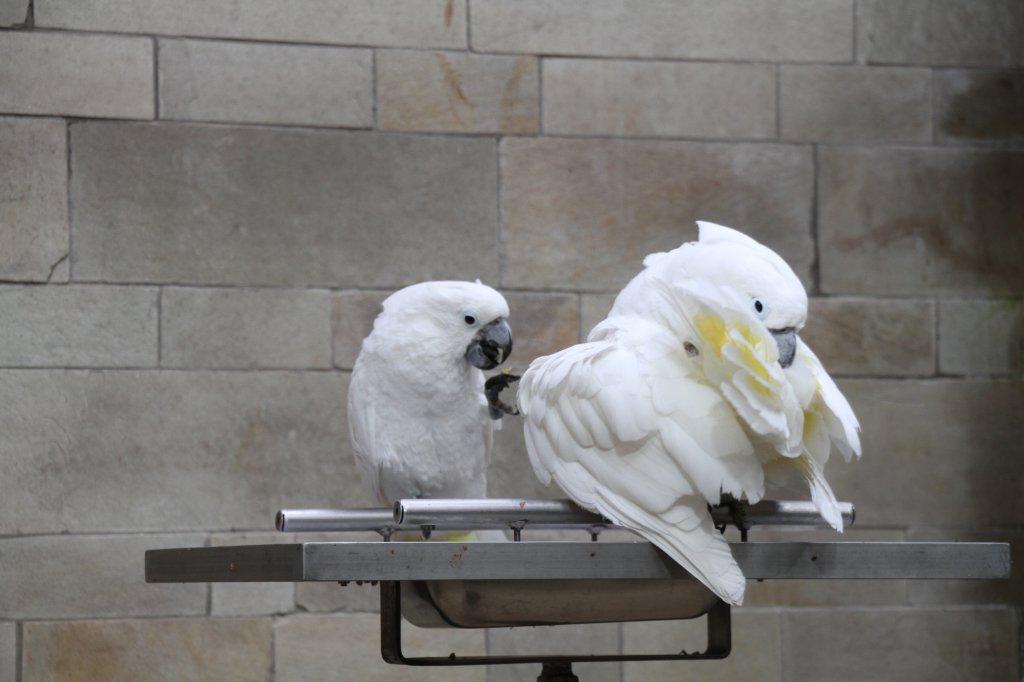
(716, 334)
(712, 330)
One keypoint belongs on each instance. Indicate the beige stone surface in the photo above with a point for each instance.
(978, 337)
(245, 328)
(756, 649)
(279, 84)
(33, 197)
(352, 316)
(658, 99)
(942, 32)
(509, 472)
(272, 207)
(541, 324)
(593, 309)
(900, 644)
(582, 214)
(934, 453)
(12, 13)
(855, 104)
(979, 106)
(149, 450)
(398, 23)
(182, 649)
(78, 326)
(52, 576)
(791, 30)
(8, 652)
(597, 638)
(251, 599)
(876, 337)
(76, 75)
(457, 92)
(943, 593)
(920, 221)
(316, 648)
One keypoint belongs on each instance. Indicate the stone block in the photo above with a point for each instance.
(593, 309)
(13, 13)
(457, 92)
(307, 648)
(509, 472)
(979, 106)
(542, 324)
(33, 197)
(78, 326)
(327, 597)
(198, 450)
(361, 209)
(251, 599)
(855, 104)
(875, 337)
(249, 328)
(756, 649)
(582, 214)
(8, 652)
(76, 75)
(92, 576)
(793, 30)
(978, 337)
(352, 316)
(225, 650)
(595, 639)
(279, 84)
(658, 99)
(900, 644)
(934, 453)
(943, 593)
(920, 221)
(396, 23)
(942, 32)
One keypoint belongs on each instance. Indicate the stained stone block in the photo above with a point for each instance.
(352, 316)
(259, 206)
(33, 197)
(55, 576)
(900, 644)
(457, 92)
(397, 23)
(597, 638)
(8, 652)
(198, 450)
(251, 599)
(225, 650)
(283, 84)
(76, 75)
(756, 649)
(593, 309)
(245, 328)
(934, 453)
(318, 647)
(541, 324)
(509, 472)
(942, 32)
(792, 30)
(652, 99)
(943, 593)
(12, 13)
(855, 104)
(582, 214)
(980, 106)
(979, 337)
(78, 326)
(876, 337)
(921, 221)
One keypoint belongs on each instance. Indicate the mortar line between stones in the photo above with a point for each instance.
(19, 646)
(815, 237)
(856, 57)
(469, 31)
(373, 77)
(70, 203)
(778, 102)
(936, 336)
(159, 327)
(502, 246)
(156, 78)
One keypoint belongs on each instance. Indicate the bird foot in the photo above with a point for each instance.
(492, 390)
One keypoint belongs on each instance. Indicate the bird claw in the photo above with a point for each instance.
(492, 390)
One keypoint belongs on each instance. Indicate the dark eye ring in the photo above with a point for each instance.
(469, 319)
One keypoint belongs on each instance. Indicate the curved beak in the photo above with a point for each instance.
(785, 339)
(491, 346)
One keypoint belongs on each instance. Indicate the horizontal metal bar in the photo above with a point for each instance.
(330, 561)
(499, 514)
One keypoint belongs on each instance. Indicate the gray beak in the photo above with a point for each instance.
(785, 339)
(491, 345)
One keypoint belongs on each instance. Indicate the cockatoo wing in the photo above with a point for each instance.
(625, 430)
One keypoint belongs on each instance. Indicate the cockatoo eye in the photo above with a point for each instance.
(469, 317)
(760, 307)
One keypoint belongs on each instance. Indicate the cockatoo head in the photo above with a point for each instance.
(464, 321)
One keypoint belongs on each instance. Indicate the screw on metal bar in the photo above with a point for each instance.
(517, 529)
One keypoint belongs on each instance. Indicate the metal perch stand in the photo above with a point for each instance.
(520, 583)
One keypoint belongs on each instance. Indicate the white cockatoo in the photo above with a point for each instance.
(419, 420)
(692, 387)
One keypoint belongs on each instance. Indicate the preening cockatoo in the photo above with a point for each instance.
(692, 386)
(418, 418)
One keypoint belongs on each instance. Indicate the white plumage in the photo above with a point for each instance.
(680, 394)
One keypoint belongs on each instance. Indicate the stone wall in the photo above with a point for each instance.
(201, 209)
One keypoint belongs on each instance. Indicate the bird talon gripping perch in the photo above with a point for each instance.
(493, 388)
